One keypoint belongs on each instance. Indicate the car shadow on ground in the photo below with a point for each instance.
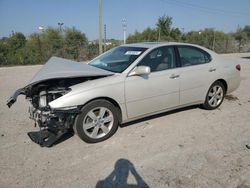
(70, 133)
(66, 136)
(119, 176)
(246, 57)
(228, 97)
(159, 115)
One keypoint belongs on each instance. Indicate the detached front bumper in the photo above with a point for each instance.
(53, 123)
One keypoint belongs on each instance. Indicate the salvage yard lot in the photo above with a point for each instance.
(190, 147)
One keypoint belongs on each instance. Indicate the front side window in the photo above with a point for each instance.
(117, 59)
(159, 59)
(192, 56)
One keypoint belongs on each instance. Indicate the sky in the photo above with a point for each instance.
(27, 15)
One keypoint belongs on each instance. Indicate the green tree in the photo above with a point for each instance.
(246, 29)
(163, 27)
(17, 40)
(148, 35)
(52, 42)
(34, 53)
(75, 43)
(162, 32)
(92, 51)
(3, 51)
(13, 46)
(241, 37)
(210, 38)
(175, 34)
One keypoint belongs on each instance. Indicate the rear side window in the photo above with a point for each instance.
(193, 56)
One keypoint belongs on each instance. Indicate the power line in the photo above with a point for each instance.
(205, 8)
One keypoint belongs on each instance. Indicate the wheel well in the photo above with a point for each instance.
(111, 101)
(224, 83)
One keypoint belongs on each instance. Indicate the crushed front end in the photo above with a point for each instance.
(52, 81)
(53, 123)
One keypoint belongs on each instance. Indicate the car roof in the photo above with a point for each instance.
(151, 45)
(154, 44)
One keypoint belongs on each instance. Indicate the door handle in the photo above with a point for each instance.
(212, 69)
(174, 76)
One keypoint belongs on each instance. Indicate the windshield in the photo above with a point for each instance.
(117, 59)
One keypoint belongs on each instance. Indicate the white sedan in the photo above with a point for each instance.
(126, 83)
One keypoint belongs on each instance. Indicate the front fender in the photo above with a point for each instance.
(73, 98)
(76, 98)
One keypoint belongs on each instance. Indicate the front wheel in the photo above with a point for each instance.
(215, 96)
(97, 122)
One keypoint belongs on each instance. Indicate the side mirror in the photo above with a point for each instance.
(140, 71)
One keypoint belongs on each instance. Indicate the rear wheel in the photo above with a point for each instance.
(215, 96)
(97, 122)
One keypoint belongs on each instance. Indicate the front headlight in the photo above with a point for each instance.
(42, 99)
(47, 96)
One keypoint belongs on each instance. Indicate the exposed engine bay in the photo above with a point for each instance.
(51, 82)
(53, 124)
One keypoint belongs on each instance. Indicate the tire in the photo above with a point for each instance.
(215, 96)
(97, 122)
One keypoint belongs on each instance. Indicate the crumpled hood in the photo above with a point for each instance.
(63, 68)
(57, 68)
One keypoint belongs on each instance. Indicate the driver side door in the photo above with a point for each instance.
(156, 91)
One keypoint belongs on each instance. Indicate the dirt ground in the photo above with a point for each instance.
(190, 147)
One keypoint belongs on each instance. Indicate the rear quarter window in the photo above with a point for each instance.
(193, 56)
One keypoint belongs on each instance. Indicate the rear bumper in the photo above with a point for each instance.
(233, 83)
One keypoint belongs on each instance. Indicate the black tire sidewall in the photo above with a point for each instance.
(206, 105)
(85, 109)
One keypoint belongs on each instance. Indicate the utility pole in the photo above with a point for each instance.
(41, 29)
(183, 34)
(105, 37)
(124, 26)
(213, 40)
(159, 34)
(100, 25)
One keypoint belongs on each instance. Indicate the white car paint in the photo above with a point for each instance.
(139, 96)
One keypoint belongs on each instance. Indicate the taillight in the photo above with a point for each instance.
(238, 67)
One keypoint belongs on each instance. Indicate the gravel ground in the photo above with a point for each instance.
(190, 147)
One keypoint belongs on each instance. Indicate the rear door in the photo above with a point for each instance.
(196, 73)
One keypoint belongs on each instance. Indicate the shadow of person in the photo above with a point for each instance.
(118, 177)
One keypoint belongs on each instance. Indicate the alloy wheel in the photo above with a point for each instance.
(98, 122)
(215, 95)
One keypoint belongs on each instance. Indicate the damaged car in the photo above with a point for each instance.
(126, 83)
